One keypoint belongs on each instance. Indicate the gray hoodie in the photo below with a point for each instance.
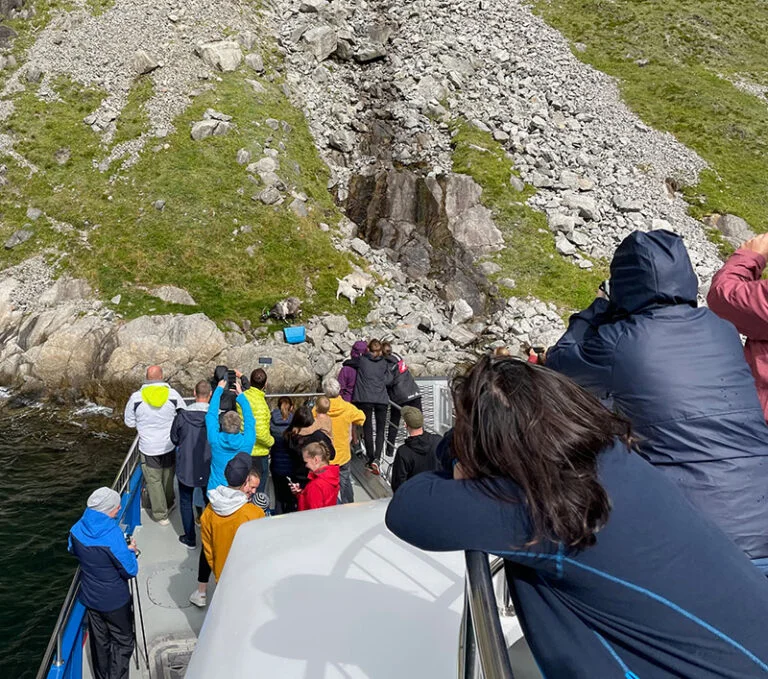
(225, 500)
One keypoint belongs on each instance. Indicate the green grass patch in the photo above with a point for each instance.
(134, 118)
(98, 7)
(529, 255)
(692, 47)
(191, 242)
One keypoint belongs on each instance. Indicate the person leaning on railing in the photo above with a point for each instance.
(107, 563)
(612, 572)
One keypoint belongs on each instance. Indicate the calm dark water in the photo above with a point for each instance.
(50, 461)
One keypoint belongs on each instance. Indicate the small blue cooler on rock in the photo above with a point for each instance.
(296, 334)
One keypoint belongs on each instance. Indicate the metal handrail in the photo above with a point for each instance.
(120, 484)
(482, 647)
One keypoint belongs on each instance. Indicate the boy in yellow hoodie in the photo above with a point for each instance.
(228, 509)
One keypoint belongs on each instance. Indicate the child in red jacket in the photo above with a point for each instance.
(323, 487)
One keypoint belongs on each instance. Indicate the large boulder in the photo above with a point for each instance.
(321, 41)
(469, 221)
(73, 354)
(734, 229)
(185, 346)
(224, 55)
(289, 372)
(9, 316)
(66, 289)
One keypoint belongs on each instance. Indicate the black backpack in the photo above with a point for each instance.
(403, 388)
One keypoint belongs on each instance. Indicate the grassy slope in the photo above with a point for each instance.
(207, 194)
(692, 47)
(529, 256)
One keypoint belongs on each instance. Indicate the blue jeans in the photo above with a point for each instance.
(187, 511)
(261, 464)
(762, 565)
(345, 484)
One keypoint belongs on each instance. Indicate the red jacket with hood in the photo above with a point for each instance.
(740, 296)
(322, 489)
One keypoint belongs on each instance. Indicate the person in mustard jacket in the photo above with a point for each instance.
(228, 509)
(264, 439)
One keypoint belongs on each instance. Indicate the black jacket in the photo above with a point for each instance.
(374, 375)
(296, 442)
(416, 455)
(678, 372)
(403, 388)
(193, 452)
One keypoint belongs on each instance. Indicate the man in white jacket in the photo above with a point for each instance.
(150, 411)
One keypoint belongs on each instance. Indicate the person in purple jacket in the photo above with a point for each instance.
(613, 573)
(348, 375)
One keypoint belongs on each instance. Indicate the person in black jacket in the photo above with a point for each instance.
(417, 454)
(374, 375)
(612, 572)
(677, 371)
(402, 392)
(193, 457)
(280, 461)
(302, 431)
(107, 563)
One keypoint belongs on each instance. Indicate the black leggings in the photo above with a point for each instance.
(203, 567)
(380, 412)
(285, 500)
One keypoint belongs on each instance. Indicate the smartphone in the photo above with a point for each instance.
(289, 479)
(231, 380)
(605, 286)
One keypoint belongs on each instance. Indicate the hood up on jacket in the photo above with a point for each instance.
(359, 348)
(219, 373)
(225, 501)
(652, 268)
(155, 394)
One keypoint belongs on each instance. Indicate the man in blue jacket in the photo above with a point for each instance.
(678, 373)
(106, 565)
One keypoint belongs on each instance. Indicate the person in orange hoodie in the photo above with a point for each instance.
(228, 509)
(323, 487)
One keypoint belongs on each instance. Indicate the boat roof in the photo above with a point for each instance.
(331, 593)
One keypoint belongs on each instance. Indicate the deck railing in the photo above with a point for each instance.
(63, 657)
(483, 651)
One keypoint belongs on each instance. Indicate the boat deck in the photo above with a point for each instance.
(167, 576)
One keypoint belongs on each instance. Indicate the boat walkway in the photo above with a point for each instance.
(167, 576)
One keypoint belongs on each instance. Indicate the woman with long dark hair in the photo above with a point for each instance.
(612, 572)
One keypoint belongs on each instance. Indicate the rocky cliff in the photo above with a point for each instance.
(447, 175)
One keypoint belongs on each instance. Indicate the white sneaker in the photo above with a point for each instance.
(198, 598)
(163, 522)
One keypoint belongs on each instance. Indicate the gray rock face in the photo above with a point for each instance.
(585, 206)
(142, 63)
(173, 295)
(71, 356)
(564, 246)
(224, 55)
(243, 157)
(183, 345)
(18, 237)
(309, 6)
(469, 221)
(321, 41)
(66, 289)
(290, 370)
(734, 229)
(341, 141)
(299, 208)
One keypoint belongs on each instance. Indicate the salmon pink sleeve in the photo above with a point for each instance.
(740, 296)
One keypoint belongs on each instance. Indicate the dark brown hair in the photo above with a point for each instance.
(374, 345)
(259, 378)
(302, 418)
(534, 426)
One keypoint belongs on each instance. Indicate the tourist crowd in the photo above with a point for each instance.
(621, 473)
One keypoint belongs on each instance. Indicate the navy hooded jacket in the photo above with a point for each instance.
(678, 373)
(106, 563)
(663, 594)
